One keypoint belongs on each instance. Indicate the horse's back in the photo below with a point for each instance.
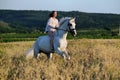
(43, 39)
(42, 42)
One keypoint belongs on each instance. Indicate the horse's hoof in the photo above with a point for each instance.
(63, 55)
(69, 58)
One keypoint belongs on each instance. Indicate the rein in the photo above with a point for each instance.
(63, 29)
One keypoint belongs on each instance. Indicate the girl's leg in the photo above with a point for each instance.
(50, 33)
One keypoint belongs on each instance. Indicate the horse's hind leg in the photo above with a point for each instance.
(49, 55)
(36, 51)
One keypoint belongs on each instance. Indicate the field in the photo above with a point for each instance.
(91, 59)
(85, 33)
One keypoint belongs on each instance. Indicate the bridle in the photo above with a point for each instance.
(69, 30)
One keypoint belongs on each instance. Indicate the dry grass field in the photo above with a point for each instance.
(91, 59)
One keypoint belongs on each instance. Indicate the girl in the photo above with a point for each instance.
(51, 26)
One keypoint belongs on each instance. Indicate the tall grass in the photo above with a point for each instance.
(90, 60)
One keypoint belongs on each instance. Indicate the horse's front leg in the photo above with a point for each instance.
(66, 54)
(63, 53)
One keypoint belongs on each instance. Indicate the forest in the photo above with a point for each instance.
(88, 25)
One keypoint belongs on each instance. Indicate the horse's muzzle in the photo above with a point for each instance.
(73, 32)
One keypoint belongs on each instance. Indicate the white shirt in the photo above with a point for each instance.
(51, 24)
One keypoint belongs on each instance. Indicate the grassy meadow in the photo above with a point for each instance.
(91, 59)
(88, 34)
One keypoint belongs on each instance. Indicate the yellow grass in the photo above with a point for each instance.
(91, 59)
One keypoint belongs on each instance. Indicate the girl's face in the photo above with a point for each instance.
(55, 14)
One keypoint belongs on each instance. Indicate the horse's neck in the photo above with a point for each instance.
(61, 32)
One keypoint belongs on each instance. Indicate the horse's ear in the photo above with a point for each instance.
(74, 18)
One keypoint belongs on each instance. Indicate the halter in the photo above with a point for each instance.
(70, 30)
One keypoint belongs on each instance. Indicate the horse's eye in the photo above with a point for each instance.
(69, 24)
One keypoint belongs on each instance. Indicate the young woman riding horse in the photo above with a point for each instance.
(42, 44)
(51, 26)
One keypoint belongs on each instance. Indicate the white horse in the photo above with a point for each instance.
(42, 44)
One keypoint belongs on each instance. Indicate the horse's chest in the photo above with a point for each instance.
(63, 43)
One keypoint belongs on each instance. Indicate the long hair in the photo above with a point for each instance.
(52, 14)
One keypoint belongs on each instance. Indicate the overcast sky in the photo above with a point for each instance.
(91, 6)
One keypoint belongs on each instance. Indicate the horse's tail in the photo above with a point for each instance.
(30, 53)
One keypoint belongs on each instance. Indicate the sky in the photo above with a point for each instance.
(90, 6)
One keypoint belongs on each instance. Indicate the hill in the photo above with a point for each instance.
(27, 21)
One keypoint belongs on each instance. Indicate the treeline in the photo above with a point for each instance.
(30, 21)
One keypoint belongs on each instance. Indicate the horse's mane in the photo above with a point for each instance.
(62, 20)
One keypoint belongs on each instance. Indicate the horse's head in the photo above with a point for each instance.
(69, 24)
